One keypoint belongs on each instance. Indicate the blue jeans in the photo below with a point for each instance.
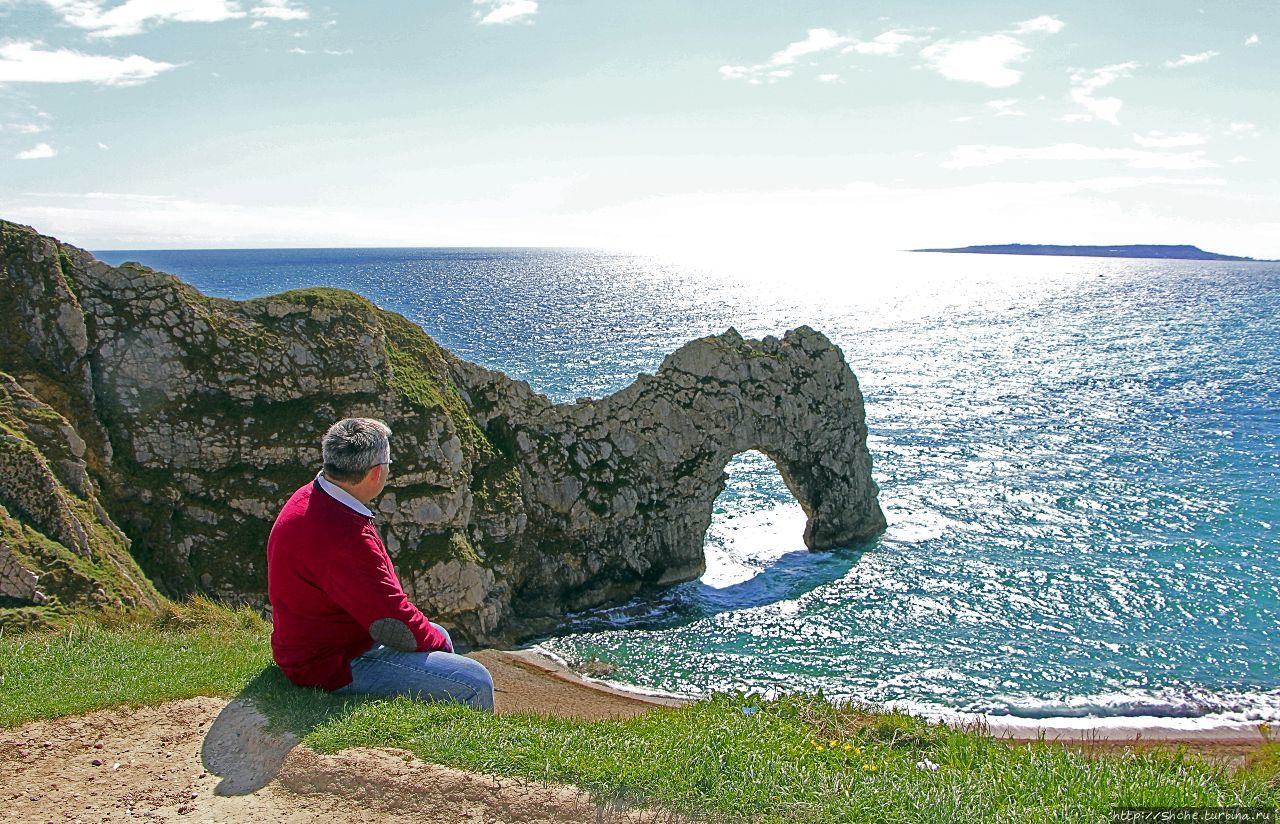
(427, 676)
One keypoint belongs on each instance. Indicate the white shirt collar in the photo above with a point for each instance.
(341, 495)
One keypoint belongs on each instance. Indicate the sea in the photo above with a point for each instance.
(1078, 459)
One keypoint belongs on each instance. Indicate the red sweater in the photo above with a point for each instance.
(329, 577)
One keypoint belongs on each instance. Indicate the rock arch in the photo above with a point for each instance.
(619, 491)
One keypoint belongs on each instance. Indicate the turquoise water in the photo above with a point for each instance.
(1078, 459)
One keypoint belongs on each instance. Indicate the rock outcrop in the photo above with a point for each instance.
(58, 545)
(129, 398)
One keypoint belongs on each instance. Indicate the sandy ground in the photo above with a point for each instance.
(525, 681)
(204, 759)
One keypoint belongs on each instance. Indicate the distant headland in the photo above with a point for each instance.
(1183, 252)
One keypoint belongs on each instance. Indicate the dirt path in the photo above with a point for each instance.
(204, 759)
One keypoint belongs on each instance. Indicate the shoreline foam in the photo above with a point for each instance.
(1207, 728)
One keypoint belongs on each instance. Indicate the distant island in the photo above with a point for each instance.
(1134, 251)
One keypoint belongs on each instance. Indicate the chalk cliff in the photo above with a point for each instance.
(145, 427)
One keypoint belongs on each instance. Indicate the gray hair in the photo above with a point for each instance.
(353, 446)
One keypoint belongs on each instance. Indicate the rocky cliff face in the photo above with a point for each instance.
(128, 398)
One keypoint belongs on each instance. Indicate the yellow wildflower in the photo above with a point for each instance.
(848, 748)
(834, 743)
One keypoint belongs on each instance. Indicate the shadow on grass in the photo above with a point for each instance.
(249, 740)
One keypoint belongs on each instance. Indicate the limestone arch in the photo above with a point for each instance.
(796, 401)
(619, 491)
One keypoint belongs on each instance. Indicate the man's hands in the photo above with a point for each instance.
(394, 633)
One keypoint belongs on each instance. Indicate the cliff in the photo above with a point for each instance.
(148, 428)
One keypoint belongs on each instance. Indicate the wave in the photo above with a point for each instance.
(1259, 706)
(1120, 715)
(1116, 716)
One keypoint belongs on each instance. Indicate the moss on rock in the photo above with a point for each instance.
(59, 545)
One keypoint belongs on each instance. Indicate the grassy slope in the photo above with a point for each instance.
(733, 757)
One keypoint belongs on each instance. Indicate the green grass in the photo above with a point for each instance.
(731, 758)
(196, 649)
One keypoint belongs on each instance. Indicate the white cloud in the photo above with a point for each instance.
(988, 59)
(296, 50)
(1239, 159)
(1075, 117)
(1244, 130)
(816, 40)
(37, 152)
(1085, 84)
(886, 44)
(829, 78)
(1045, 24)
(279, 10)
(1191, 59)
(30, 63)
(95, 196)
(983, 60)
(339, 52)
(258, 24)
(103, 146)
(972, 156)
(135, 16)
(1005, 108)
(738, 73)
(26, 128)
(507, 11)
(1163, 140)
(1252, 40)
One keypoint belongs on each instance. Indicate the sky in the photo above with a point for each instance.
(707, 128)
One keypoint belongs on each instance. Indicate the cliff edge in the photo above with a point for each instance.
(149, 435)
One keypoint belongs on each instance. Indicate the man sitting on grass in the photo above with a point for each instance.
(341, 619)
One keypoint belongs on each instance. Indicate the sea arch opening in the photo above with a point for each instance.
(756, 522)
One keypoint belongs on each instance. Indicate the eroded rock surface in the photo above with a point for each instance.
(621, 489)
(58, 545)
(132, 399)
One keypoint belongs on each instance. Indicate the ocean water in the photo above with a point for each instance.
(1078, 459)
